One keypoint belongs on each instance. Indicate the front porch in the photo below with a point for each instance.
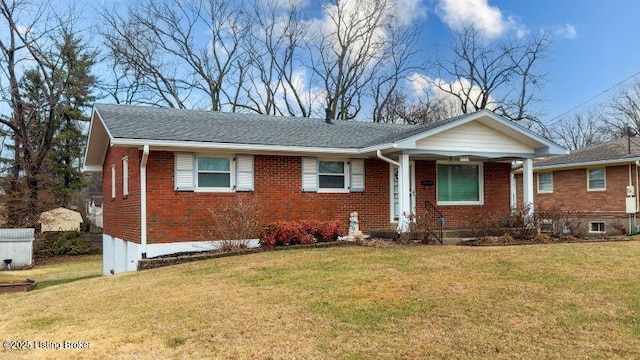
(460, 167)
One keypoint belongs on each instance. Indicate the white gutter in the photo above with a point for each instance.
(583, 164)
(382, 157)
(143, 202)
(170, 144)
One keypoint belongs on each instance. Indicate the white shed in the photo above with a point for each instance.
(16, 248)
(60, 219)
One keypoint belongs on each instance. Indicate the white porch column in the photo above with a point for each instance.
(404, 178)
(527, 184)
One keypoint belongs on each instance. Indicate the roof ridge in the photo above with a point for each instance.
(255, 116)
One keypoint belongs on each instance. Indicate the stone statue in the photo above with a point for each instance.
(353, 223)
(354, 227)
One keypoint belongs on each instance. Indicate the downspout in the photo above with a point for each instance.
(143, 202)
(512, 190)
(382, 157)
(636, 190)
(635, 218)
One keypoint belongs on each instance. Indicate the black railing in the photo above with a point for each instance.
(435, 221)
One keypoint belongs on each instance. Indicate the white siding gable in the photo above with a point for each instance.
(474, 137)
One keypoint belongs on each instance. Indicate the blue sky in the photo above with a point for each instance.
(595, 43)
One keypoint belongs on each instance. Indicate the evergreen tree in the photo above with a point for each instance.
(70, 138)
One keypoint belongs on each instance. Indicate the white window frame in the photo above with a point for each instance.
(125, 176)
(604, 172)
(604, 227)
(347, 175)
(480, 165)
(541, 191)
(113, 181)
(231, 172)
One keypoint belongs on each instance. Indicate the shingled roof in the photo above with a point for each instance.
(188, 130)
(153, 123)
(611, 151)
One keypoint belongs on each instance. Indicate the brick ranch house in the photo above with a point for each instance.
(599, 183)
(165, 170)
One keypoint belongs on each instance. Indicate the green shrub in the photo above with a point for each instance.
(61, 243)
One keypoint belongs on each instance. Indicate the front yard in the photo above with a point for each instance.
(540, 301)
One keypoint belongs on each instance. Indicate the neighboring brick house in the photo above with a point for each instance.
(592, 182)
(165, 171)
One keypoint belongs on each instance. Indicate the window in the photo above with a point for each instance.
(596, 179)
(597, 227)
(459, 183)
(214, 172)
(113, 181)
(545, 182)
(125, 176)
(331, 175)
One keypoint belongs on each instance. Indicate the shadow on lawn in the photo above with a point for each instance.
(47, 283)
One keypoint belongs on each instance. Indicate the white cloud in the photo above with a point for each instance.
(487, 19)
(567, 31)
(409, 11)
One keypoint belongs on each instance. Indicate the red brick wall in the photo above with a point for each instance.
(121, 215)
(570, 190)
(186, 216)
(496, 192)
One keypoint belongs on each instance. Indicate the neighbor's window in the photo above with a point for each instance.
(596, 179)
(459, 184)
(597, 227)
(125, 176)
(545, 182)
(214, 172)
(331, 174)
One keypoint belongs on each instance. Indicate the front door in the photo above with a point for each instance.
(395, 196)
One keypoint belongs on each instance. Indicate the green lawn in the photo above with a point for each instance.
(540, 301)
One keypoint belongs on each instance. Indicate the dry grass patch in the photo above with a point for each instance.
(555, 301)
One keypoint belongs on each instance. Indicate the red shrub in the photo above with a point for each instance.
(304, 232)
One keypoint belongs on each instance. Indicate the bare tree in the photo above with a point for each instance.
(277, 38)
(499, 77)
(624, 109)
(156, 46)
(400, 51)
(581, 130)
(360, 40)
(399, 110)
(43, 64)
